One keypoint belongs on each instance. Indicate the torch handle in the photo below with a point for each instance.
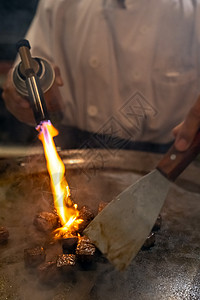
(29, 70)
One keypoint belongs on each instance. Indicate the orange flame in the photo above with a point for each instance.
(66, 209)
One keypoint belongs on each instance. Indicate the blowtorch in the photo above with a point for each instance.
(32, 77)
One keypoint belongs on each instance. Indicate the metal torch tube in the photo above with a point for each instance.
(36, 98)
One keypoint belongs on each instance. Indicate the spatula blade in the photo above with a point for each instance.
(120, 230)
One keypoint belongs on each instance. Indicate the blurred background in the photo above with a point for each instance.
(15, 18)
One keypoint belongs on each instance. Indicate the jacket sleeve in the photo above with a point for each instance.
(40, 31)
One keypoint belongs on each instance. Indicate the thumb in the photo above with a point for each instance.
(186, 131)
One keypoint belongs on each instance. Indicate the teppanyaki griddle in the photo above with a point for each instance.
(170, 270)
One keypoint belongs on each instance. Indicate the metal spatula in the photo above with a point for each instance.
(121, 228)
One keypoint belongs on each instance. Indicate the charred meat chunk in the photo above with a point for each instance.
(85, 250)
(66, 262)
(34, 256)
(4, 234)
(69, 245)
(87, 216)
(45, 221)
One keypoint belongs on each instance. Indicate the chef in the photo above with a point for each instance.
(128, 69)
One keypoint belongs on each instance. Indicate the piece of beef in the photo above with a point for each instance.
(69, 245)
(87, 215)
(85, 251)
(66, 263)
(4, 235)
(34, 256)
(45, 221)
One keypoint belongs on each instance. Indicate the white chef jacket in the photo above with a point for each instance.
(130, 68)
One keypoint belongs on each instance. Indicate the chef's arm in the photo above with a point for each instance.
(186, 131)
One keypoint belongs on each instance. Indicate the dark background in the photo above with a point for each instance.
(15, 18)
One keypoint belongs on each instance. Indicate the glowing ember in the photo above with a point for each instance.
(66, 209)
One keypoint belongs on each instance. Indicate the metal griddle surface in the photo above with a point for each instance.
(170, 270)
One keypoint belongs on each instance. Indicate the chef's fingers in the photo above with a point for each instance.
(53, 98)
(186, 131)
(58, 77)
(176, 129)
(16, 104)
(10, 94)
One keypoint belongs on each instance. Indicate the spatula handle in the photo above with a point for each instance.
(174, 162)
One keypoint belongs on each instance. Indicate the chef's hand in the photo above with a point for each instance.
(186, 131)
(20, 107)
